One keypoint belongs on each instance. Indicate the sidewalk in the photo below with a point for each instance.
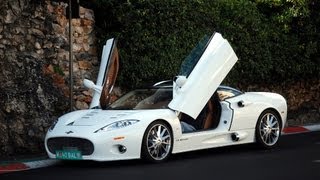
(40, 161)
(23, 163)
(300, 129)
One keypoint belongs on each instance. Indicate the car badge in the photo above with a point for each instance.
(69, 132)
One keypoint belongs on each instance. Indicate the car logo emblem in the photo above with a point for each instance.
(69, 132)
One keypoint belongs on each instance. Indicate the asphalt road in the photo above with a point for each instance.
(296, 157)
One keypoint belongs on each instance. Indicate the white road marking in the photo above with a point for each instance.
(313, 127)
(41, 163)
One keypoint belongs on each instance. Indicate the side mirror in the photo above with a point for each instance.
(180, 80)
(89, 84)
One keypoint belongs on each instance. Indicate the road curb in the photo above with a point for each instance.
(26, 165)
(300, 129)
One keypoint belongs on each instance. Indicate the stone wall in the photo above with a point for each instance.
(34, 62)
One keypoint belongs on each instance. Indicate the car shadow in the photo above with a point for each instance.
(174, 158)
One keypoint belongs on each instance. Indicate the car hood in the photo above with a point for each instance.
(95, 117)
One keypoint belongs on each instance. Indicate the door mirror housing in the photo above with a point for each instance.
(89, 84)
(180, 81)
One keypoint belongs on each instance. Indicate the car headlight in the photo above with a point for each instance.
(53, 125)
(117, 125)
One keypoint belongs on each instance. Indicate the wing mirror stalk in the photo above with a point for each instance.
(89, 84)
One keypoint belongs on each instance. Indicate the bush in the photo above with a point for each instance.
(155, 36)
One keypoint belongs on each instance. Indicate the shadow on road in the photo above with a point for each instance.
(287, 142)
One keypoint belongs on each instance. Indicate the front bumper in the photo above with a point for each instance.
(104, 146)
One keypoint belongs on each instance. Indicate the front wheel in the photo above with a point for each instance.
(268, 129)
(157, 142)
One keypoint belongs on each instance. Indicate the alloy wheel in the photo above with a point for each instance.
(269, 129)
(159, 142)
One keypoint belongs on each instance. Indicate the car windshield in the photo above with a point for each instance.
(144, 99)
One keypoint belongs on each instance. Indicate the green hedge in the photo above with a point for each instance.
(155, 36)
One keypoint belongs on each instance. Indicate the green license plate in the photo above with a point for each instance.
(68, 154)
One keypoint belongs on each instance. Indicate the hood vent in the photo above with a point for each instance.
(70, 124)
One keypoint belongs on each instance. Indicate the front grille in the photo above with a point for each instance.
(62, 143)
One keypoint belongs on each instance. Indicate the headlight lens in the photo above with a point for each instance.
(53, 125)
(117, 125)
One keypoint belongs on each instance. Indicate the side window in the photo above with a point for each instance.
(225, 93)
(192, 59)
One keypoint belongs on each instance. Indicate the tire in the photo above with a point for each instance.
(157, 142)
(268, 129)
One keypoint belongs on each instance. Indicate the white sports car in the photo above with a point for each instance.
(189, 113)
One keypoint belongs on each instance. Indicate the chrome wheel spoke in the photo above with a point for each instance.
(268, 138)
(270, 119)
(264, 136)
(153, 134)
(166, 143)
(274, 124)
(163, 151)
(164, 148)
(153, 151)
(152, 146)
(159, 131)
(265, 130)
(157, 152)
(162, 133)
(265, 125)
(267, 119)
(272, 138)
(165, 137)
(275, 133)
(151, 140)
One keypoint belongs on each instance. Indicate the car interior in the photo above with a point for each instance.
(208, 118)
(159, 100)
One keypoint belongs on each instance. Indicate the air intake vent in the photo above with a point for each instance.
(60, 143)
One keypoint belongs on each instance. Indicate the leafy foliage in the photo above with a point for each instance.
(275, 40)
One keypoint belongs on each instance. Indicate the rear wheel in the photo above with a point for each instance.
(157, 142)
(268, 129)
